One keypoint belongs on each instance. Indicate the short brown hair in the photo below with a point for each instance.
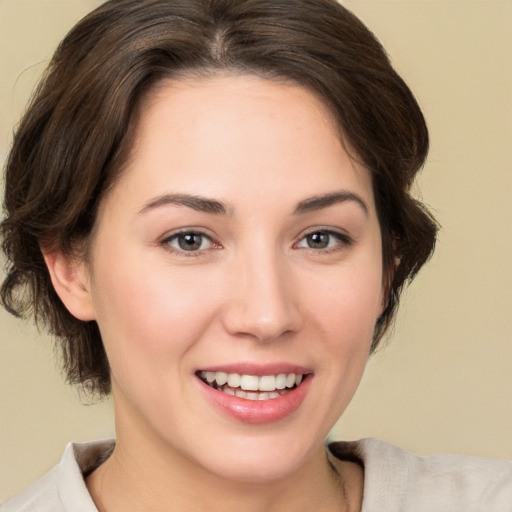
(71, 143)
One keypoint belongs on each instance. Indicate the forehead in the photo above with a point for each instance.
(247, 100)
(239, 134)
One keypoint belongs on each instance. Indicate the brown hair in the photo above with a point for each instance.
(71, 143)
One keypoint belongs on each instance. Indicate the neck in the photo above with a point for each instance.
(145, 473)
(141, 480)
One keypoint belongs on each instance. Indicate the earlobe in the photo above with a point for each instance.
(70, 280)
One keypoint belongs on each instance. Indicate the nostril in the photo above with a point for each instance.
(263, 305)
(261, 328)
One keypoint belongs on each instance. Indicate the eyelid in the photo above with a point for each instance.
(343, 238)
(170, 236)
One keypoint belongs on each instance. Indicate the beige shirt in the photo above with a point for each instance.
(395, 480)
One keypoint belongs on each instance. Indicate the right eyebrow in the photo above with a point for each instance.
(199, 203)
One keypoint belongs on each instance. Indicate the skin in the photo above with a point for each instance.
(255, 291)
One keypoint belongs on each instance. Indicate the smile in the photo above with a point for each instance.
(252, 387)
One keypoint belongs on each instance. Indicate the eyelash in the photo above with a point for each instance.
(166, 242)
(341, 240)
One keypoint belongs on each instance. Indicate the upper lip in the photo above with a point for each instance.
(248, 368)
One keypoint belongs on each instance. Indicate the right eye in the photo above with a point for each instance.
(188, 241)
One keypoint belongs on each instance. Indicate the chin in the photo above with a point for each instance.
(261, 470)
(259, 460)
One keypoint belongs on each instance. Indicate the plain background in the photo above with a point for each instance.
(444, 383)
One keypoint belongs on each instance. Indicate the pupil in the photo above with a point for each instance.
(189, 242)
(318, 240)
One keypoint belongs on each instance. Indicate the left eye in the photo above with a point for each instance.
(189, 242)
(322, 240)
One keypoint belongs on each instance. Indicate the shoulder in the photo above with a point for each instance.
(63, 488)
(41, 495)
(396, 480)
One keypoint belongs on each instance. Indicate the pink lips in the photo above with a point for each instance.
(258, 411)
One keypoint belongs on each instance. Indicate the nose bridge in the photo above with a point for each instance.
(262, 303)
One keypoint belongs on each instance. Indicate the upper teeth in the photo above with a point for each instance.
(253, 382)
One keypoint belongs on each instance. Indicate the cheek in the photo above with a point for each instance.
(149, 313)
(345, 314)
(349, 302)
(342, 317)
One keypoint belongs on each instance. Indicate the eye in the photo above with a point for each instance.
(188, 241)
(323, 239)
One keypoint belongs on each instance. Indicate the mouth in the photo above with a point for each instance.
(252, 387)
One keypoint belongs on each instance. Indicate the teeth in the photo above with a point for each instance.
(265, 383)
(281, 381)
(290, 380)
(249, 382)
(240, 393)
(234, 380)
(221, 378)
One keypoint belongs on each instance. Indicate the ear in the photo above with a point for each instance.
(71, 281)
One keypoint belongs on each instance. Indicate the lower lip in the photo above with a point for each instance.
(258, 411)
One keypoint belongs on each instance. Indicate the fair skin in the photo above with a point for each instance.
(240, 239)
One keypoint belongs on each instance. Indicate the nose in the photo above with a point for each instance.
(263, 301)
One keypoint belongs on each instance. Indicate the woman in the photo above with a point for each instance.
(208, 202)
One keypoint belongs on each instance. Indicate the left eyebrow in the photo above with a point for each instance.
(326, 200)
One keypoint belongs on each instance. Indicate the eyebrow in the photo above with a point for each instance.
(326, 200)
(201, 204)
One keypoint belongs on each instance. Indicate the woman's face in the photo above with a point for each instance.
(241, 243)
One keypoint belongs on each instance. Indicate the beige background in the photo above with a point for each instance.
(444, 384)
